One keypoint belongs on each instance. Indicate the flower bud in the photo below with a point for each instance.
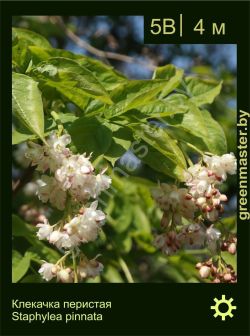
(204, 271)
(198, 265)
(227, 277)
(223, 198)
(65, 275)
(232, 248)
(201, 200)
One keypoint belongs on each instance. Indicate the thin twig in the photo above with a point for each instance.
(126, 270)
(100, 53)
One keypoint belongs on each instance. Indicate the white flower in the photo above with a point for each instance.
(221, 165)
(57, 238)
(89, 268)
(65, 275)
(102, 183)
(175, 202)
(48, 271)
(49, 190)
(229, 163)
(44, 230)
(87, 225)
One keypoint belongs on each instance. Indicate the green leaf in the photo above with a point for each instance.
(90, 135)
(106, 75)
(230, 259)
(141, 221)
(172, 74)
(121, 141)
(70, 79)
(163, 153)
(18, 136)
(159, 139)
(31, 37)
(162, 108)
(161, 163)
(32, 278)
(123, 221)
(20, 228)
(134, 94)
(123, 242)
(110, 274)
(20, 265)
(205, 128)
(27, 103)
(202, 91)
(21, 55)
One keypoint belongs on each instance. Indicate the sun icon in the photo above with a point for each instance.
(219, 303)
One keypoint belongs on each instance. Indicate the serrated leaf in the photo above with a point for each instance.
(201, 91)
(172, 74)
(71, 80)
(121, 141)
(162, 163)
(159, 139)
(205, 128)
(162, 108)
(109, 77)
(91, 136)
(133, 94)
(27, 103)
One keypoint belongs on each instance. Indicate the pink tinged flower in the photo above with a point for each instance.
(48, 271)
(44, 230)
(89, 268)
(65, 275)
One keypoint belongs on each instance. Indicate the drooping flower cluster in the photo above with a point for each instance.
(69, 184)
(71, 173)
(85, 269)
(217, 271)
(82, 228)
(201, 201)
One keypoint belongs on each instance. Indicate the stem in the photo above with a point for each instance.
(63, 257)
(57, 119)
(126, 270)
(193, 147)
(74, 267)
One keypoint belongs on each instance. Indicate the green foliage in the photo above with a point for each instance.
(106, 114)
(27, 103)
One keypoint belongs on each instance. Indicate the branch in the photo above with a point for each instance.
(100, 53)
